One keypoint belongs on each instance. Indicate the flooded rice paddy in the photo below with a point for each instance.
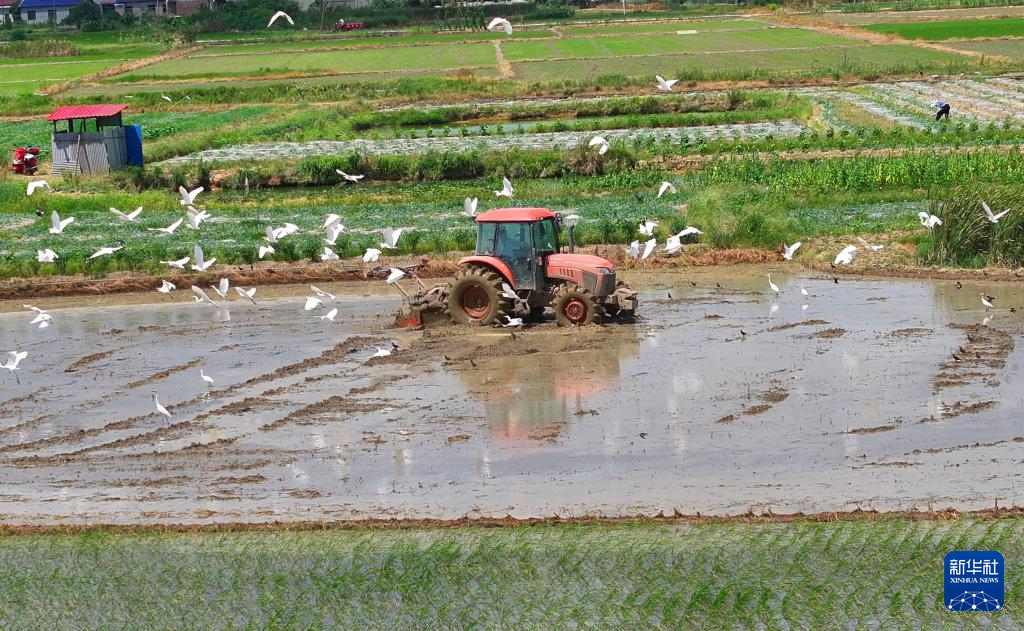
(886, 394)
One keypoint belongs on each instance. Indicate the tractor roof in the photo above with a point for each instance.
(515, 214)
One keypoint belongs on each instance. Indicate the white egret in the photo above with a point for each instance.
(349, 178)
(199, 263)
(665, 85)
(633, 250)
(270, 234)
(687, 231)
(280, 14)
(395, 275)
(928, 221)
(321, 293)
(870, 247)
(469, 207)
(772, 285)
(507, 291)
(987, 300)
(46, 256)
(506, 189)
(169, 230)
(381, 352)
(991, 217)
(15, 358)
(166, 287)
(57, 225)
(647, 228)
(222, 287)
(202, 296)
(188, 197)
(803, 290)
(265, 250)
(196, 218)
(312, 303)
(500, 24)
(130, 217)
(328, 255)
(179, 264)
(371, 255)
(789, 250)
(249, 294)
(391, 238)
(34, 185)
(673, 245)
(159, 408)
(333, 231)
(649, 248)
(845, 256)
(330, 315)
(513, 322)
(205, 377)
(601, 143)
(167, 98)
(666, 187)
(287, 229)
(43, 318)
(331, 219)
(105, 251)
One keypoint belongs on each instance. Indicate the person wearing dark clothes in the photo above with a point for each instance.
(942, 109)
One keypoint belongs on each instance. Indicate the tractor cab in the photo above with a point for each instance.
(522, 239)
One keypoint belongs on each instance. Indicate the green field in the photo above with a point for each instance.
(659, 27)
(953, 29)
(861, 573)
(1012, 48)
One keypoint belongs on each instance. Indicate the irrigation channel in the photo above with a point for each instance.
(722, 398)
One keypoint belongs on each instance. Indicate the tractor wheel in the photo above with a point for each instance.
(475, 297)
(574, 306)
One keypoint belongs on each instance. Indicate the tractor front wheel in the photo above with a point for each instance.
(475, 297)
(574, 306)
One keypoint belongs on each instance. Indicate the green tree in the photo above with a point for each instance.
(83, 13)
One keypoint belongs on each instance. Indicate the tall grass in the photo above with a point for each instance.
(968, 238)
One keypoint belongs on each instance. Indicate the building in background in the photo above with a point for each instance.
(141, 8)
(45, 11)
(5, 11)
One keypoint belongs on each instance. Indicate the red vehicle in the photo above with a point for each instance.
(25, 161)
(342, 25)
(519, 269)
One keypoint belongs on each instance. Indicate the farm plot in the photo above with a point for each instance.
(546, 140)
(661, 27)
(952, 29)
(21, 78)
(842, 60)
(1012, 48)
(931, 15)
(435, 59)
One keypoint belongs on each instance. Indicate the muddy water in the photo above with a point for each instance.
(723, 398)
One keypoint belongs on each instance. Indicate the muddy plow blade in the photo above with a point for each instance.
(424, 308)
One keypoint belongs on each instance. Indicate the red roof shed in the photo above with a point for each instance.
(69, 112)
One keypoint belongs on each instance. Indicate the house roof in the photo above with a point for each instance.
(68, 112)
(515, 214)
(48, 4)
(5, 4)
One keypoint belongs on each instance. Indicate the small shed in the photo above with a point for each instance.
(108, 146)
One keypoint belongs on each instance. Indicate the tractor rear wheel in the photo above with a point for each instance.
(574, 306)
(475, 297)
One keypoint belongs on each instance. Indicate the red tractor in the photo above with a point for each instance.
(518, 270)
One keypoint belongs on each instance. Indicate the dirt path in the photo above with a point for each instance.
(123, 68)
(504, 67)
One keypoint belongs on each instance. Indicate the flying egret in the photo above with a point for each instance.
(333, 231)
(312, 303)
(205, 377)
(287, 229)
(200, 264)
(469, 207)
(395, 275)
(330, 315)
(803, 290)
(331, 219)
(987, 300)
(188, 197)
(57, 224)
(34, 185)
(845, 256)
(633, 250)
(391, 238)
(43, 318)
(789, 250)
(46, 256)
(15, 358)
(159, 408)
(647, 228)
(772, 285)
(222, 287)
(500, 24)
(687, 231)
(507, 291)
(280, 14)
(506, 189)
(179, 264)
(349, 178)
(991, 217)
(105, 251)
(665, 85)
(328, 255)
(270, 234)
(249, 294)
(202, 296)
(166, 287)
(513, 322)
(666, 187)
(196, 217)
(381, 352)
(599, 141)
(169, 230)
(321, 293)
(673, 245)
(131, 217)
(265, 250)
(872, 248)
(648, 248)
(371, 255)
(167, 98)
(928, 221)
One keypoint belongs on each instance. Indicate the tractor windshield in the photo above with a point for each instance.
(545, 236)
(485, 237)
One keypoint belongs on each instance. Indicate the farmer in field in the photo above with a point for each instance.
(942, 109)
